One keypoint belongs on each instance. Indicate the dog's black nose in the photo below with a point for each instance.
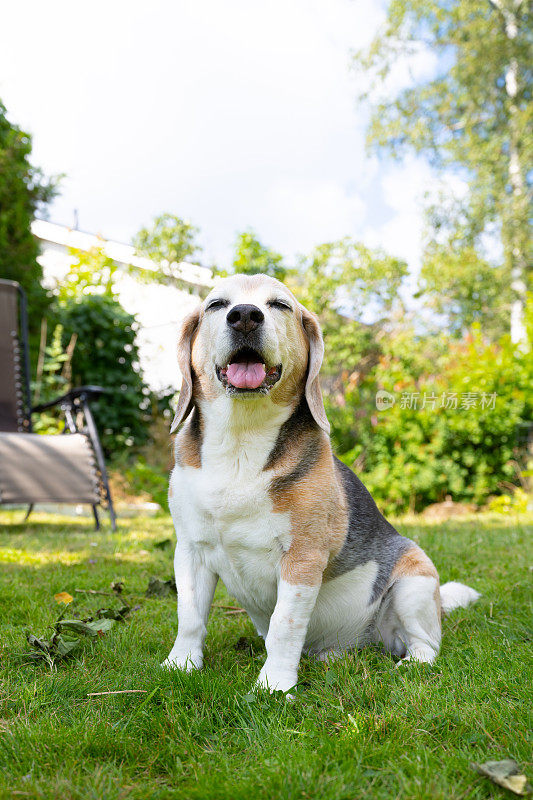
(245, 318)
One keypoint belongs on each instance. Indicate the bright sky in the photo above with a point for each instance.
(232, 114)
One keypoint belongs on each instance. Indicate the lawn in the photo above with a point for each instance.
(358, 728)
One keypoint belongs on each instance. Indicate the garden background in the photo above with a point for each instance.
(452, 350)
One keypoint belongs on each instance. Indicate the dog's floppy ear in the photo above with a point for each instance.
(185, 401)
(313, 392)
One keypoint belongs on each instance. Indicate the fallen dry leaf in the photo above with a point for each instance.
(118, 614)
(244, 643)
(505, 773)
(63, 597)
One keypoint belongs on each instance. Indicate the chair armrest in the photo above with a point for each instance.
(88, 391)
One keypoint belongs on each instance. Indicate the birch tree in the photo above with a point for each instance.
(474, 116)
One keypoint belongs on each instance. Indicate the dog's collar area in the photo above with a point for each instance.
(247, 372)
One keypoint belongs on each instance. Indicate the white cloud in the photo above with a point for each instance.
(310, 213)
(403, 187)
(407, 189)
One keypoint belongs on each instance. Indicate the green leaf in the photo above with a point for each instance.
(75, 626)
(101, 625)
(90, 628)
(65, 645)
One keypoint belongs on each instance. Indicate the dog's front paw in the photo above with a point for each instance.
(184, 661)
(275, 680)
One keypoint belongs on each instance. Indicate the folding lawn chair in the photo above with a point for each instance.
(34, 468)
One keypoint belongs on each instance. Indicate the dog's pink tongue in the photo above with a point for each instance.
(246, 375)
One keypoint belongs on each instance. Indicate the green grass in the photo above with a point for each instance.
(360, 728)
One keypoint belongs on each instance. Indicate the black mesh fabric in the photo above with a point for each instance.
(12, 386)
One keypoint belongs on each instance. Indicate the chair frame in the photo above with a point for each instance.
(73, 404)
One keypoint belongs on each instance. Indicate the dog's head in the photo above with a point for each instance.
(251, 337)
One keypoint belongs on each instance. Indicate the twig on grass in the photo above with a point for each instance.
(123, 723)
(108, 594)
(120, 691)
(230, 609)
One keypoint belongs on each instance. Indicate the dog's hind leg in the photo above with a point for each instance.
(416, 618)
(409, 623)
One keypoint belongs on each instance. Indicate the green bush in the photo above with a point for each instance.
(52, 381)
(24, 191)
(412, 456)
(144, 477)
(516, 503)
(106, 354)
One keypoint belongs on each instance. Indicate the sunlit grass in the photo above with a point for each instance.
(361, 728)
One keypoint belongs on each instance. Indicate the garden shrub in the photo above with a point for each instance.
(412, 456)
(144, 477)
(106, 354)
(515, 503)
(53, 380)
(24, 192)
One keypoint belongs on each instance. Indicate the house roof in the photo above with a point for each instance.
(122, 254)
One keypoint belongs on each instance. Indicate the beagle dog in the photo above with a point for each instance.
(258, 499)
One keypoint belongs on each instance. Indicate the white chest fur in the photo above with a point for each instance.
(224, 510)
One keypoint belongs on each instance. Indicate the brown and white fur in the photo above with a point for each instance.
(259, 500)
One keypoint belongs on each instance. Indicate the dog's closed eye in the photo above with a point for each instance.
(281, 304)
(219, 302)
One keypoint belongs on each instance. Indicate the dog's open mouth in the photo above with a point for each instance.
(246, 371)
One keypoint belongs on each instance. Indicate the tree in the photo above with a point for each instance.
(91, 272)
(23, 192)
(473, 116)
(252, 257)
(466, 289)
(169, 241)
(353, 290)
(106, 354)
(103, 349)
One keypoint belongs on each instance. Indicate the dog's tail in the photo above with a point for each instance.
(456, 595)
